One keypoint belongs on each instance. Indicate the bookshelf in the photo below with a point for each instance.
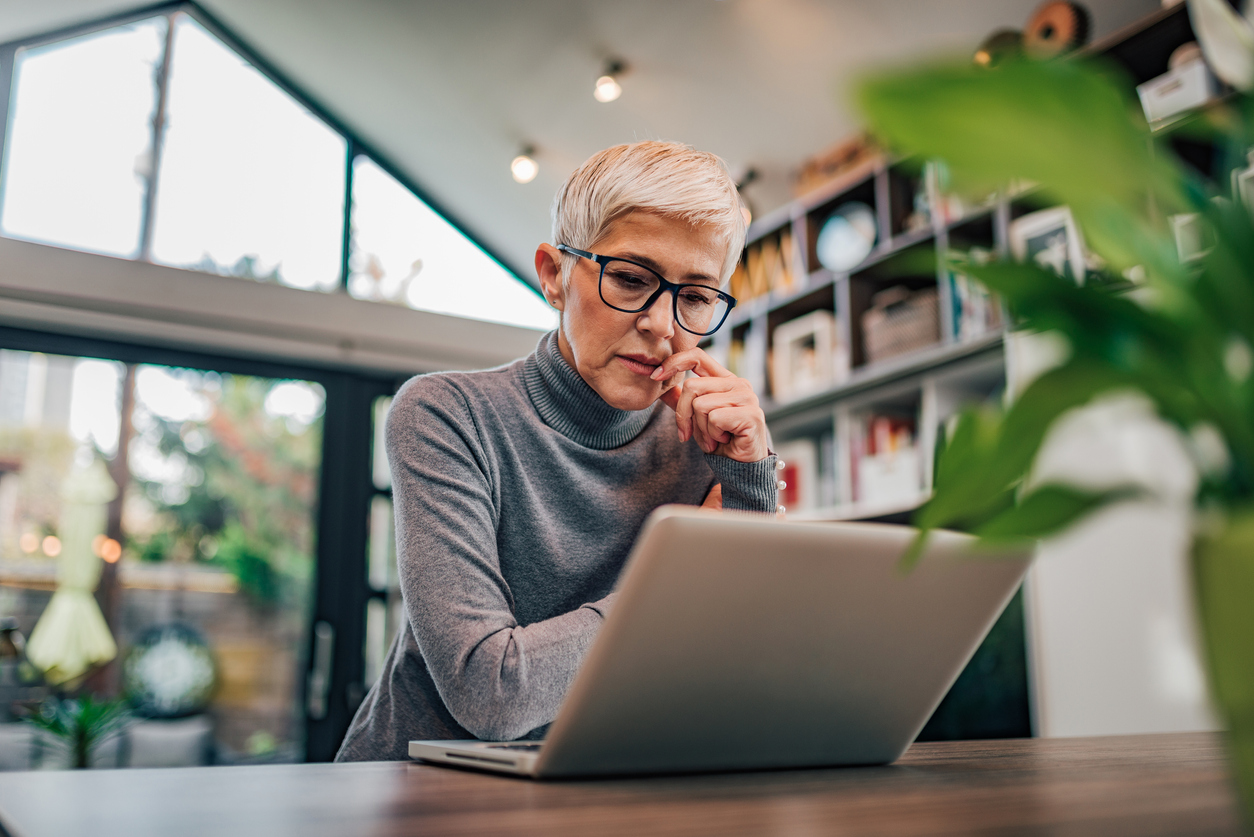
(910, 392)
(864, 426)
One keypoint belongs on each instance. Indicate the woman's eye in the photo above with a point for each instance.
(696, 298)
(629, 279)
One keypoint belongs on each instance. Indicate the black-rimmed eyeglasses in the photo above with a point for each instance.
(631, 288)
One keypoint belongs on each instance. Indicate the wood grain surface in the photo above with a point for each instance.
(1134, 785)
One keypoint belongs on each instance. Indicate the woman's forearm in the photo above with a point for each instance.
(501, 684)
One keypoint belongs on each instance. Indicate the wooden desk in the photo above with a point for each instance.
(1135, 785)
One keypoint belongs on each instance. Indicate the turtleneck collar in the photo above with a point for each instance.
(570, 406)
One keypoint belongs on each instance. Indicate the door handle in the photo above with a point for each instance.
(319, 683)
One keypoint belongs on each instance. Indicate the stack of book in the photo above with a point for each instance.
(773, 265)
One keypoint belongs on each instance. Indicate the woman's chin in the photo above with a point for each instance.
(639, 396)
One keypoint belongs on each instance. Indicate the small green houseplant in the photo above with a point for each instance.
(1182, 336)
(81, 724)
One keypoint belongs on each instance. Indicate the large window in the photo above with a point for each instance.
(79, 143)
(251, 183)
(156, 140)
(215, 524)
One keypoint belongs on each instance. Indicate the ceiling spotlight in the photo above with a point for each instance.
(607, 88)
(524, 167)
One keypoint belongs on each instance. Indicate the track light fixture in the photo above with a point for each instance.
(607, 88)
(524, 167)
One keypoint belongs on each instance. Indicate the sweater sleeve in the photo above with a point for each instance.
(498, 679)
(747, 486)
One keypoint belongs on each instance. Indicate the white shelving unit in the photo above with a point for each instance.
(1109, 625)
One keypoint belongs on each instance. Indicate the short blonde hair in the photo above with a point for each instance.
(667, 178)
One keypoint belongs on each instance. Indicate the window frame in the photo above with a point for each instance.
(354, 144)
(342, 507)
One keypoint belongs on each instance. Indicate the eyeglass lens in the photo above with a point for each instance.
(628, 287)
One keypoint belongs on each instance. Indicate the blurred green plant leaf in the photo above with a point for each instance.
(1050, 509)
(1066, 125)
(1184, 339)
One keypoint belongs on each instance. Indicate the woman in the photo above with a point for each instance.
(520, 490)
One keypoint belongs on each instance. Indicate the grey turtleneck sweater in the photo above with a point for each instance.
(518, 493)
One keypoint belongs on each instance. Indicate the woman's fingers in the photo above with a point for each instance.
(741, 432)
(716, 409)
(704, 406)
(692, 360)
(694, 388)
(701, 428)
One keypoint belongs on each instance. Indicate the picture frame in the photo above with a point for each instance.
(1243, 183)
(803, 356)
(1183, 88)
(1050, 239)
(1190, 235)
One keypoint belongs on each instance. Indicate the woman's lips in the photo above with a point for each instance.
(640, 367)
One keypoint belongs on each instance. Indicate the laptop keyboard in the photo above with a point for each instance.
(527, 748)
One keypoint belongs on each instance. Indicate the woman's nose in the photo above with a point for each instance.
(659, 318)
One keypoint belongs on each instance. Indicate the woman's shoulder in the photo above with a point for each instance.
(458, 392)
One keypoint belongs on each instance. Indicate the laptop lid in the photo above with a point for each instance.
(742, 642)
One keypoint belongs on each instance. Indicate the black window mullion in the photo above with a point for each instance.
(343, 589)
(346, 235)
(156, 140)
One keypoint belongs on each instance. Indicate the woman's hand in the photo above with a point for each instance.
(714, 500)
(716, 408)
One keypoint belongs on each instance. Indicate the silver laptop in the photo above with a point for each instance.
(741, 642)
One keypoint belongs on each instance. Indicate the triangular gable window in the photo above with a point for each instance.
(249, 181)
(403, 252)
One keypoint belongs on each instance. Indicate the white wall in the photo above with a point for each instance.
(65, 291)
(1111, 633)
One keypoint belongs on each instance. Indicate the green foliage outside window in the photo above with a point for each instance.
(254, 478)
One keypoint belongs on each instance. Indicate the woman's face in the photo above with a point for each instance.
(613, 351)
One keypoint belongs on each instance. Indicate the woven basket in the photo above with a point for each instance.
(899, 321)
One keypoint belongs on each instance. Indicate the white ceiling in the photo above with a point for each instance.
(450, 91)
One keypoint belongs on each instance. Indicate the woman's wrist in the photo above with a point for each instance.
(747, 486)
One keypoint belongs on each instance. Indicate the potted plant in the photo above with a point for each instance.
(1181, 335)
(80, 724)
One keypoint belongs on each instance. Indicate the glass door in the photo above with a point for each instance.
(215, 534)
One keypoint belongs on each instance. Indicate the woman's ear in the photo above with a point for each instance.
(549, 272)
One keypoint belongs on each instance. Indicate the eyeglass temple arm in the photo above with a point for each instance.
(566, 248)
